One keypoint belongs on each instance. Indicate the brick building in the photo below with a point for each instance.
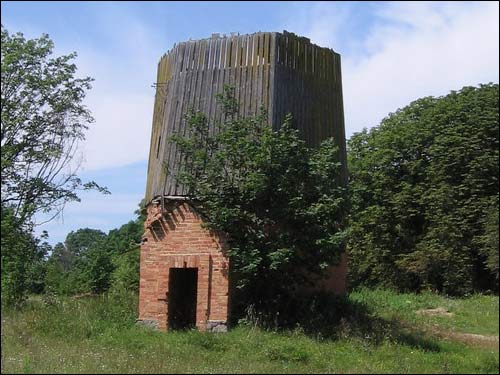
(184, 271)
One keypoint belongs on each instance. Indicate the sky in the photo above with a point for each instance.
(392, 54)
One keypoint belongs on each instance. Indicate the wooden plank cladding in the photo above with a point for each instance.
(283, 72)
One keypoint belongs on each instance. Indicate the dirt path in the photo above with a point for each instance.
(473, 339)
(485, 341)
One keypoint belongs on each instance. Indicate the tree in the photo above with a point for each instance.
(79, 242)
(423, 183)
(125, 275)
(281, 204)
(489, 242)
(68, 267)
(21, 260)
(42, 121)
(92, 261)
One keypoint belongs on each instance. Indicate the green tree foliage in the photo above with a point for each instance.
(23, 269)
(58, 265)
(42, 121)
(425, 195)
(489, 241)
(72, 266)
(78, 242)
(281, 203)
(97, 269)
(91, 261)
(125, 275)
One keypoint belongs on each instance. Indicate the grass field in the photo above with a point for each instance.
(380, 332)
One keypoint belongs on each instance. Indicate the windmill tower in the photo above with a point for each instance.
(184, 270)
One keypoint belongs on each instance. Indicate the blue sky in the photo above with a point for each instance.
(392, 53)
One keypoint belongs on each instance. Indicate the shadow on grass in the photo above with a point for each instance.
(331, 317)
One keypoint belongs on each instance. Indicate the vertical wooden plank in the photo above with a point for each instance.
(329, 62)
(265, 85)
(292, 98)
(204, 102)
(313, 59)
(215, 89)
(171, 102)
(164, 179)
(295, 52)
(214, 78)
(239, 73)
(214, 111)
(259, 83)
(247, 75)
(220, 79)
(300, 54)
(290, 51)
(304, 58)
(320, 63)
(194, 75)
(154, 131)
(211, 79)
(285, 49)
(182, 96)
(278, 89)
(282, 80)
(251, 105)
(171, 127)
(161, 175)
(235, 52)
(325, 64)
(273, 63)
(190, 88)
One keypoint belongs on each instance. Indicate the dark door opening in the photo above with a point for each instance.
(182, 290)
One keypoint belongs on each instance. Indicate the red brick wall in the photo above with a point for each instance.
(176, 239)
(336, 282)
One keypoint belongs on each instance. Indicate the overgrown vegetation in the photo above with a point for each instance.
(424, 216)
(281, 203)
(43, 119)
(386, 335)
(90, 261)
(22, 259)
(425, 196)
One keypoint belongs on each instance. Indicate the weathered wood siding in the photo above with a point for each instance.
(282, 72)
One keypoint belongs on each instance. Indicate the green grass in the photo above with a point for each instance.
(98, 335)
(475, 314)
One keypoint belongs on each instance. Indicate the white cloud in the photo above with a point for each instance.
(121, 133)
(121, 99)
(411, 50)
(123, 64)
(322, 22)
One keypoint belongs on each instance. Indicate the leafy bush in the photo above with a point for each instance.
(281, 203)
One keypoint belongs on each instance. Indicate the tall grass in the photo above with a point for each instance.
(478, 314)
(98, 335)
